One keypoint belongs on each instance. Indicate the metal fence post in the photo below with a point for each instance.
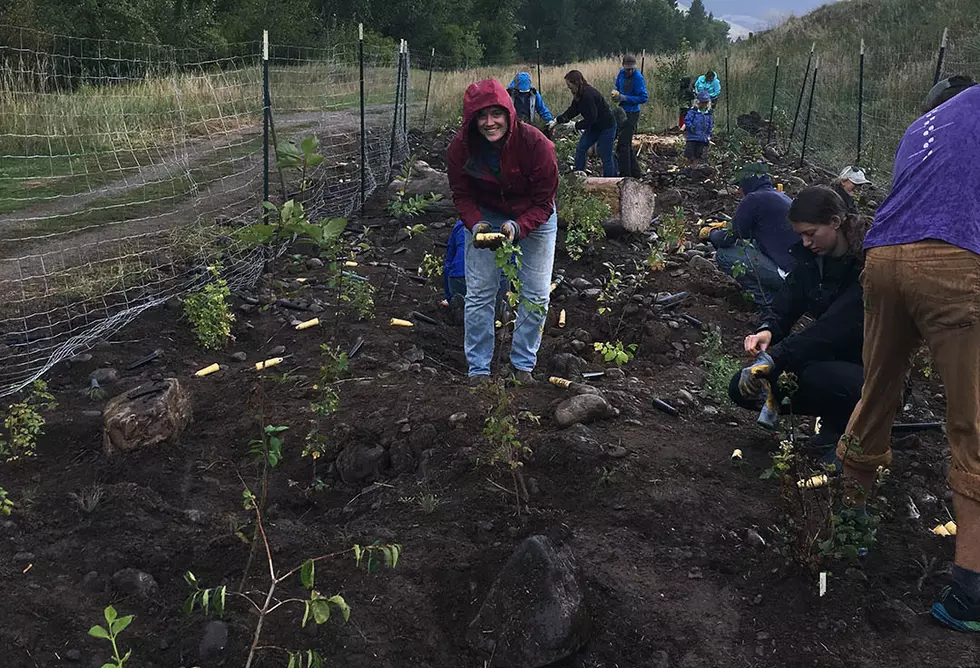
(394, 119)
(537, 50)
(799, 100)
(860, 103)
(265, 115)
(360, 58)
(728, 104)
(809, 111)
(428, 87)
(942, 56)
(772, 105)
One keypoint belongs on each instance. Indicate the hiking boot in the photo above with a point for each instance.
(518, 377)
(956, 611)
(478, 382)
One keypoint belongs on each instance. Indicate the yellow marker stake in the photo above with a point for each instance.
(398, 322)
(736, 454)
(561, 318)
(779, 187)
(815, 482)
(950, 527)
(559, 382)
(267, 363)
(350, 263)
(309, 323)
(940, 530)
(302, 280)
(208, 370)
(553, 286)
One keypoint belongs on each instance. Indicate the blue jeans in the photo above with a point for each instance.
(605, 140)
(761, 277)
(482, 280)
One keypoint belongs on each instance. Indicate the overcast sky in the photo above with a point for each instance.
(757, 14)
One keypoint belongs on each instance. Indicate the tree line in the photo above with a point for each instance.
(465, 33)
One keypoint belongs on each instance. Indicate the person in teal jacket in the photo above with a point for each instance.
(708, 83)
(630, 92)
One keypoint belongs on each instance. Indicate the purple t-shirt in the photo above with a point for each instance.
(936, 189)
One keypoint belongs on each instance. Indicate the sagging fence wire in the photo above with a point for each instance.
(126, 169)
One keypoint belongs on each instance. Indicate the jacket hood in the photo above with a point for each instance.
(483, 94)
(755, 182)
(522, 82)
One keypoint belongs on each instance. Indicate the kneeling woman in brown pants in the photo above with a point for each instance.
(922, 282)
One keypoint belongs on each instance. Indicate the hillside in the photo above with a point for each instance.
(902, 39)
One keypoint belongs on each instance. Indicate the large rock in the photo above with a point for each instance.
(584, 408)
(709, 280)
(535, 613)
(359, 463)
(567, 365)
(148, 415)
(423, 180)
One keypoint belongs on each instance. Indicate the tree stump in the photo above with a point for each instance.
(148, 415)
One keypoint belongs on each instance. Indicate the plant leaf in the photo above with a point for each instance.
(357, 555)
(321, 610)
(98, 632)
(110, 614)
(334, 227)
(306, 614)
(120, 624)
(339, 601)
(307, 573)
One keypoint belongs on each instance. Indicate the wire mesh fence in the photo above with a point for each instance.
(126, 168)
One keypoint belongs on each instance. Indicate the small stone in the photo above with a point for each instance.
(214, 641)
(81, 359)
(314, 263)
(405, 428)
(757, 600)
(591, 293)
(687, 397)
(580, 283)
(104, 376)
(277, 351)
(135, 583)
(615, 373)
(456, 419)
(695, 574)
(761, 636)
(24, 556)
(73, 655)
(617, 452)
(583, 408)
(673, 324)
(173, 304)
(413, 354)
(238, 357)
(195, 516)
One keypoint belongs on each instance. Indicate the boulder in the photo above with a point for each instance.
(423, 180)
(566, 365)
(359, 463)
(148, 415)
(136, 583)
(709, 280)
(583, 408)
(535, 613)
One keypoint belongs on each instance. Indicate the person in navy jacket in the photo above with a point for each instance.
(630, 92)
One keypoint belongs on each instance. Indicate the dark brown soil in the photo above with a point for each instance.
(659, 533)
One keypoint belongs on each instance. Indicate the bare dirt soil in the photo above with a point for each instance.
(651, 505)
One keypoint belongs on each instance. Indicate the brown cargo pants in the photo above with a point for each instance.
(929, 290)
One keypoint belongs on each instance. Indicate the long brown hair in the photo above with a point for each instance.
(577, 79)
(820, 205)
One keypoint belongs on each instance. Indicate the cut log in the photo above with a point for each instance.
(630, 200)
(146, 416)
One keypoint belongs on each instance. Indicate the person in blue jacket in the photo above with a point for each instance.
(630, 92)
(698, 126)
(756, 250)
(708, 83)
(528, 102)
(454, 277)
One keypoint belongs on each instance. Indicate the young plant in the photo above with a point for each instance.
(403, 205)
(209, 313)
(25, 422)
(6, 505)
(431, 266)
(583, 214)
(315, 606)
(500, 430)
(291, 222)
(334, 367)
(268, 449)
(616, 352)
(673, 227)
(301, 157)
(114, 626)
(720, 366)
(358, 295)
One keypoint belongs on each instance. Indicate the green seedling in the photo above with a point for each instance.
(114, 626)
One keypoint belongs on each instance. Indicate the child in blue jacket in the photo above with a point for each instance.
(454, 276)
(698, 125)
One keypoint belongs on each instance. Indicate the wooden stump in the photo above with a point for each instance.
(630, 200)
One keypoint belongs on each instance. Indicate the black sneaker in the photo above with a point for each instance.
(956, 611)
